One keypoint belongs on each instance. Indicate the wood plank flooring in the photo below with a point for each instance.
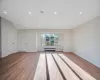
(84, 75)
(85, 65)
(54, 72)
(18, 66)
(40, 73)
(69, 75)
(45, 66)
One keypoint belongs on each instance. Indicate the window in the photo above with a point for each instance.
(49, 39)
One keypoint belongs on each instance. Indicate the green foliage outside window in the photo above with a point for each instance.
(49, 39)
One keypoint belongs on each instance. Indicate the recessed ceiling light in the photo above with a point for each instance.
(80, 13)
(5, 12)
(55, 13)
(29, 13)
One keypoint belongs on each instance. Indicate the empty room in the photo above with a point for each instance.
(49, 39)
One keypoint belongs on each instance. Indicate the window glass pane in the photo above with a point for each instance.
(49, 39)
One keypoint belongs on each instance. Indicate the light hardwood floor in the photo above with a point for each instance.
(47, 66)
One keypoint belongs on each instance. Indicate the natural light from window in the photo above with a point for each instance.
(49, 39)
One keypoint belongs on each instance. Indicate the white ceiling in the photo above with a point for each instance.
(69, 13)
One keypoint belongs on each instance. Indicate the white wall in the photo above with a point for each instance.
(27, 40)
(9, 38)
(86, 41)
(0, 37)
(67, 43)
(32, 38)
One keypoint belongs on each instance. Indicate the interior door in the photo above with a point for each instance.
(23, 42)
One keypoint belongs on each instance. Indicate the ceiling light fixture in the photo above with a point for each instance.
(55, 13)
(5, 12)
(80, 13)
(30, 13)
